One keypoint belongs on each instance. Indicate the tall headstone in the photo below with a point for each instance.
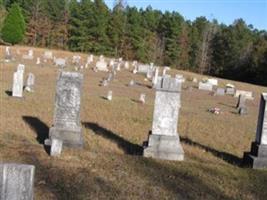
(257, 157)
(17, 89)
(30, 82)
(16, 182)
(8, 55)
(164, 142)
(156, 75)
(66, 125)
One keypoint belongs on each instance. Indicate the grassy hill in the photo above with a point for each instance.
(111, 166)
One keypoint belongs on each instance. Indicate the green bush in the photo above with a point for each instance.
(14, 26)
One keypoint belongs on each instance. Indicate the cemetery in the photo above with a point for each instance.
(65, 136)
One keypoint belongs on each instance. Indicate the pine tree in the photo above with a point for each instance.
(14, 26)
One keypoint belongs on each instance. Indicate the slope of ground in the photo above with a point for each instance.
(111, 166)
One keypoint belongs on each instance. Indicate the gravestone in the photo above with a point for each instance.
(248, 94)
(156, 76)
(56, 147)
(38, 61)
(180, 78)
(60, 62)
(212, 81)
(8, 55)
(164, 142)
(131, 83)
(17, 89)
(109, 96)
(205, 86)
(165, 69)
(48, 55)
(150, 72)
(230, 91)
(90, 59)
(30, 82)
(76, 59)
(66, 125)
(29, 56)
(126, 65)
(220, 92)
(143, 69)
(241, 101)
(16, 182)
(142, 98)
(257, 157)
(102, 65)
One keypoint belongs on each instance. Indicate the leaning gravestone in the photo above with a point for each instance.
(66, 126)
(17, 89)
(164, 142)
(16, 182)
(257, 157)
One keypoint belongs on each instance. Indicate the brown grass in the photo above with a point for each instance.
(110, 165)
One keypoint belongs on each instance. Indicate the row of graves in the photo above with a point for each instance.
(16, 180)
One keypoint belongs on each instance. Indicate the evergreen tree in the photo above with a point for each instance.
(14, 25)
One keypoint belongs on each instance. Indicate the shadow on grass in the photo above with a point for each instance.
(126, 146)
(40, 128)
(8, 93)
(227, 105)
(66, 182)
(231, 159)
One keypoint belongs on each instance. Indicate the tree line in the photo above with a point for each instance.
(237, 51)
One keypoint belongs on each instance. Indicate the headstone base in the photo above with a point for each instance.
(164, 147)
(257, 157)
(70, 137)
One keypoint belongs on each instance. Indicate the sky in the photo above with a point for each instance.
(225, 11)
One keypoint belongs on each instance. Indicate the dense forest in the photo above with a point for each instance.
(237, 51)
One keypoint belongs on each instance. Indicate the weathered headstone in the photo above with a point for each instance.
(17, 89)
(164, 142)
(241, 101)
(16, 182)
(30, 82)
(205, 86)
(66, 126)
(257, 158)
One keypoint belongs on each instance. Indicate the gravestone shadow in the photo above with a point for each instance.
(229, 158)
(8, 93)
(126, 146)
(227, 105)
(40, 128)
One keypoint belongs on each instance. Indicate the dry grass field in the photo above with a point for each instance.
(110, 165)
